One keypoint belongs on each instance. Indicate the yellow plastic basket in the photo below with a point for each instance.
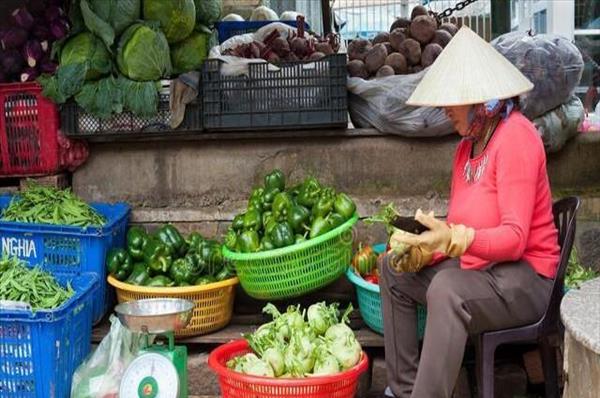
(214, 302)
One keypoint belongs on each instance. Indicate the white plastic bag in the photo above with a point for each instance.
(100, 375)
(381, 103)
(551, 62)
(560, 124)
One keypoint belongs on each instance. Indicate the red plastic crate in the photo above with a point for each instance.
(28, 131)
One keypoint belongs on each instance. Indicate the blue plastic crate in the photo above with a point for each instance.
(39, 352)
(228, 29)
(66, 250)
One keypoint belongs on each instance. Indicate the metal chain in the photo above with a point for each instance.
(449, 11)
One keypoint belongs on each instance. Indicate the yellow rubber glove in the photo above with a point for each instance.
(450, 239)
(411, 260)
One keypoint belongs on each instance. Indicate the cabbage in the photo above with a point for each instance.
(190, 53)
(208, 11)
(109, 18)
(100, 98)
(177, 17)
(233, 18)
(143, 53)
(87, 49)
(263, 13)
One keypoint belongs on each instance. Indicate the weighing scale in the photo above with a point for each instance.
(159, 370)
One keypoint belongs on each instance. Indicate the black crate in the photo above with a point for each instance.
(295, 96)
(75, 122)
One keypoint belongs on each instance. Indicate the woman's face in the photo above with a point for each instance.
(459, 115)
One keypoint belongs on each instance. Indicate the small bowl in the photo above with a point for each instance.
(155, 316)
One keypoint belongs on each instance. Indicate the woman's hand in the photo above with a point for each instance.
(411, 260)
(452, 240)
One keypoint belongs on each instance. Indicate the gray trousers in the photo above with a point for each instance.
(459, 303)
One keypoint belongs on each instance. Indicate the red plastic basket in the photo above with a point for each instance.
(238, 385)
(28, 131)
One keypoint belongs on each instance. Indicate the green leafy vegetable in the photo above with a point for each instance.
(190, 53)
(141, 98)
(177, 17)
(67, 81)
(577, 273)
(101, 98)
(109, 18)
(208, 11)
(35, 287)
(89, 50)
(45, 205)
(143, 53)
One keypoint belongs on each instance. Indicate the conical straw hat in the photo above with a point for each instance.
(469, 71)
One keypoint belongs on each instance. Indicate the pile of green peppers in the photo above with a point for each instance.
(165, 258)
(278, 216)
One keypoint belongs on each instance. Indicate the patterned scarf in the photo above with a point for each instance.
(482, 113)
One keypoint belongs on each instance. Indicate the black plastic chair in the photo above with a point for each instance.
(564, 217)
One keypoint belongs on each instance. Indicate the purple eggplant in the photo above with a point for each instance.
(48, 66)
(32, 52)
(13, 37)
(22, 18)
(41, 31)
(59, 28)
(53, 13)
(29, 74)
(37, 7)
(12, 62)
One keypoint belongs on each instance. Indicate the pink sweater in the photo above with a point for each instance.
(510, 204)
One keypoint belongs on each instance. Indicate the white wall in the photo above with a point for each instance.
(560, 16)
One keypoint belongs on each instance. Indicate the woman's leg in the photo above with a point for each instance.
(462, 302)
(400, 293)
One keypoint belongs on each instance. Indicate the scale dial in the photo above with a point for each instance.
(150, 376)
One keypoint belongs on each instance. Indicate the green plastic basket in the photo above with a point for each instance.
(369, 301)
(295, 270)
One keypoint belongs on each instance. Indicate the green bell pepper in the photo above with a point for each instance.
(156, 256)
(231, 240)
(275, 179)
(160, 281)
(257, 193)
(249, 241)
(255, 201)
(268, 197)
(139, 275)
(335, 220)
(183, 270)
(212, 255)
(320, 225)
(119, 263)
(299, 239)
(298, 217)
(282, 205)
(252, 220)
(172, 239)
(323, 206)
(266, 217)
(282, 235)
(266, 244)
(270, 225)
(309, 192)
(204, 280)
(184, 284)
(344, 206)
(225, 273)
(136, 240)
(193, 241)
(238, 222)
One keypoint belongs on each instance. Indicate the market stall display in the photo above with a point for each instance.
(47, 240)
(26, 45)
(276, 78)
(306, 353)
(41, 348)
(291, 240)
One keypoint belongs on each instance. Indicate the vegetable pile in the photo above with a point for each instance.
(25, 46)
(364, 264)
(118, 51)
(279, 48)
(46, 205)
(166, 259)
(33, 286)
(577, 273)
(409, 47)
(263, 13)
(298, 344)
(279, 216)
